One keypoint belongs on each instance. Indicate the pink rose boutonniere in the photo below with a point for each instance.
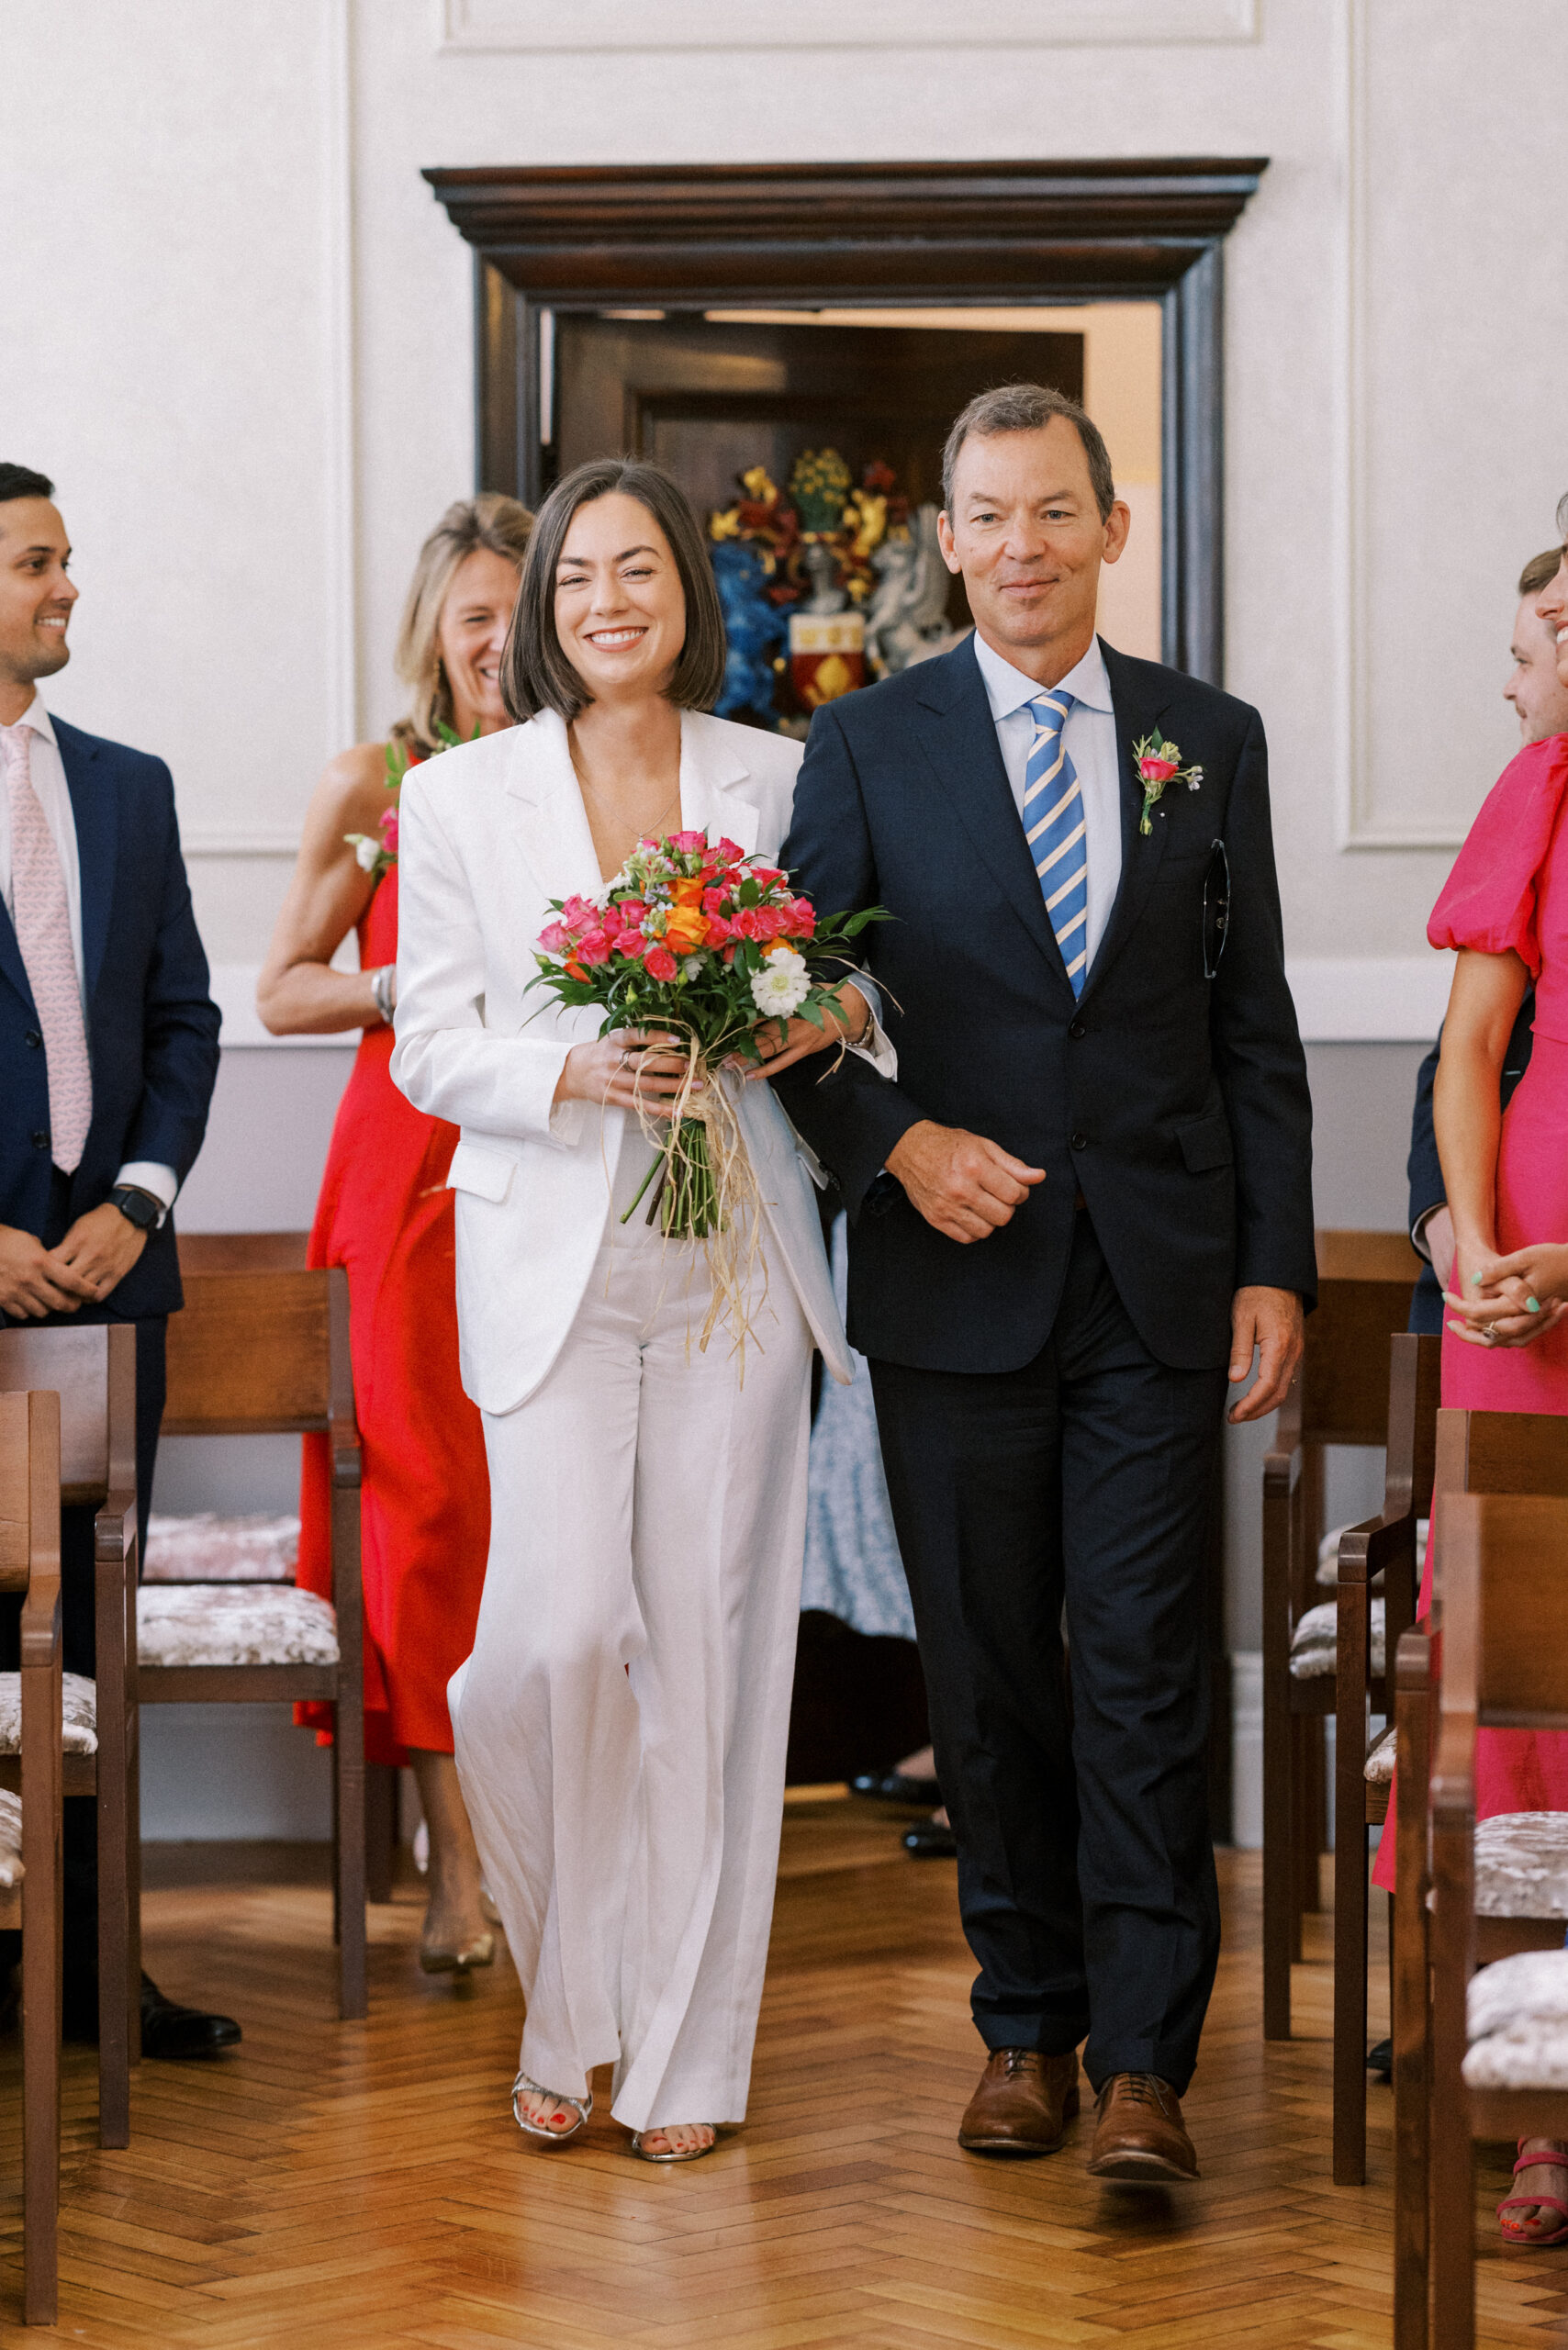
(1160, 763)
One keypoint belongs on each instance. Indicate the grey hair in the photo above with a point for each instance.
(1027, 408)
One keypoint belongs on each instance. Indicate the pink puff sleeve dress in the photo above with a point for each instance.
(1508, 891)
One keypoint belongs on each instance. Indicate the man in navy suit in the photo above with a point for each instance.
(108, 1054)
(1085, 1198)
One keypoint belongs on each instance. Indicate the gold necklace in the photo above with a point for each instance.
(643, 831)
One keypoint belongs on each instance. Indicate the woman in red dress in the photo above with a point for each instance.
(385, 1213)
(1504, 908)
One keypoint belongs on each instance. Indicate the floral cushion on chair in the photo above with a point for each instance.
(1521, 1864)
(1316, 1639)
(190, 1623)
(1379, 1769)
(209, 1548)
(1517, 2019)
(79, 1711)
(11, 1869)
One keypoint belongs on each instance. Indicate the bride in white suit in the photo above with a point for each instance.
(620, 1725)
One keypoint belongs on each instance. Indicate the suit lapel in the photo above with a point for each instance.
(548, 823)
(712, 783)
(94, 810)
(958, 737)
(1136, 710)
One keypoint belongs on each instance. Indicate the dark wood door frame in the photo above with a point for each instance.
(895, 235)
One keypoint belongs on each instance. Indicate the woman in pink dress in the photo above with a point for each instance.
(385, 1213)
(1505, 909)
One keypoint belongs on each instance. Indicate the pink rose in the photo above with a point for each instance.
(803, 918)
(727, 852)
(613, 922)
(594, 948)
(689, 840)
(659, 962)
(388, 829)
(748, 923)
(631, 944)
(553, 939)
(633, 909)
(1157, 770)
(577, 915)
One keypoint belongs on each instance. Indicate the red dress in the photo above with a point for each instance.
(386, 1213)
(1509, 890)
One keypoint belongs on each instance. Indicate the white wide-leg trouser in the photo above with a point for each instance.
(621, 1723)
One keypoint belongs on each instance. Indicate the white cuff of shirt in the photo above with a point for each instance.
(875, 1045)
(1419, 1240)
(146, 1175)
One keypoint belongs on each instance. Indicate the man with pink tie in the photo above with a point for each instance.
(108, 1054)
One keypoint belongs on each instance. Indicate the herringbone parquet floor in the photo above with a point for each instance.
(363, 2185)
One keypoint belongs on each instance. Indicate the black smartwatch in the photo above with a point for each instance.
(137, 1207)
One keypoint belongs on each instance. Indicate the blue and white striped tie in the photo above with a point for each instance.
(1053, 826)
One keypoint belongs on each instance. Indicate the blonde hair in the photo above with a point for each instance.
(497, 523)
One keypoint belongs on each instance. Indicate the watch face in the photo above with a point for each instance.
(137, 1208)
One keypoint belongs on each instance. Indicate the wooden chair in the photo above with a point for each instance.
(1479, 1456)
(262, 1353)
(92, 1371)
(1383, 1548)
(286, 1252)
(1504, 1568)
(1340, 1397)
(29, 1563)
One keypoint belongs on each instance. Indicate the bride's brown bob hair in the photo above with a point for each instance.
(536, 672)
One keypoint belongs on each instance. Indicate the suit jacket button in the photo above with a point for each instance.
(1075, 1029)
(40, 1141)
(1079, 1142)
(33, 1038)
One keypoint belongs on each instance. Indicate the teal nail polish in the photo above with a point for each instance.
(1475, 1280)
(1532, 1306)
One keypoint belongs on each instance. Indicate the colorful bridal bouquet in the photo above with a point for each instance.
(698, 939)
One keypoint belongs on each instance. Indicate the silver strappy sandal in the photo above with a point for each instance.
(581, 2106)
(673, 2153)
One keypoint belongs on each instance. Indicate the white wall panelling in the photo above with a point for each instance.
(468, 26)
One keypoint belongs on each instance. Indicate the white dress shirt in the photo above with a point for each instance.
(48, 771)
(1089, 738)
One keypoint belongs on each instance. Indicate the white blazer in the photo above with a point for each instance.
(488, 835)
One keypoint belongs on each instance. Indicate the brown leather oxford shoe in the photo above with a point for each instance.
(1023, 2105)
(1140, 2135)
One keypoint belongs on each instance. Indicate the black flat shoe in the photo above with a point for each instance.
(933, 1840)
(1380, 2060)
(892, 1786)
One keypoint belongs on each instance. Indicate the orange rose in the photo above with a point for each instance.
(686, 924)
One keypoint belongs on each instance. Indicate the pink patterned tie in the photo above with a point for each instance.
(43, 934)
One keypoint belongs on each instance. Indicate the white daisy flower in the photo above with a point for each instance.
(782, 985)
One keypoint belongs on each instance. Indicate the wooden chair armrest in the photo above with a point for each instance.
(40, 1625)
(1283, 1471)
(1453, 1773)
(114, 1526)
(1377, 1543)
(347, 1453)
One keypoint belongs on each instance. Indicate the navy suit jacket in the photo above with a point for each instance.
(1428, 1190)
(1177, 1103)
(152, 1024)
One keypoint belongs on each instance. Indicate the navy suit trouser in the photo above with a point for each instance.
(1076, 1489)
